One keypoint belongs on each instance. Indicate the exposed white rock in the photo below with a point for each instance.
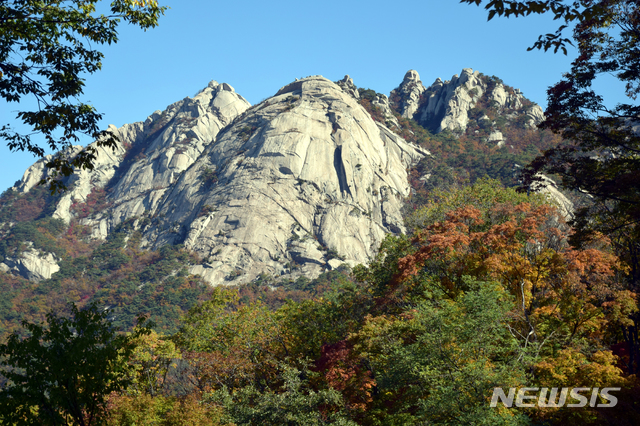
(448, 103)
(335, 263)
(409, 93)
(382, 102)
(549, 187)
(305, 171)
(347, 85)
(33, 175)
(445, 105)
(271, 188)
(499, 95)
(174, 139)
(497, 138)
(148, 159)
(503, 99)
(535, 115)
(82, 182)
(32, 264)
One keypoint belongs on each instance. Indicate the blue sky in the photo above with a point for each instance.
(258, 46)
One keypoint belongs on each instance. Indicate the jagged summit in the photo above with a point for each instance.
(409, 93)
(445, 105)
(301, 183)
(294, 185)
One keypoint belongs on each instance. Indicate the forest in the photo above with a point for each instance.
(484, 291)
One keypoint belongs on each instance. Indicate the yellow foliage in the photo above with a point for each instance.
(570, 368)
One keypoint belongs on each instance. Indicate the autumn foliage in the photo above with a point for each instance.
(485, 290)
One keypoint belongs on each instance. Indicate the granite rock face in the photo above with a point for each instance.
(382, 102)
(149, 158)
(298, 184)
(445, 105)
(346, 84)
(304, 172)
(408, 94)
(172, 140)
(281, 187)
(378, 101)
(548, 187)
(32, 264)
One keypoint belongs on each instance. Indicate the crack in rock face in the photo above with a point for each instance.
(303, 159)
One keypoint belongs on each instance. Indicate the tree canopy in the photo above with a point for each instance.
(64, 371)
(600, 153)
(485, 291)
(46, 47)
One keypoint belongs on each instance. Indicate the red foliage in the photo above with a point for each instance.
(96, 201)
(524, 248)
(343, 371)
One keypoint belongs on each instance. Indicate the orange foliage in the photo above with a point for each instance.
(557, 288)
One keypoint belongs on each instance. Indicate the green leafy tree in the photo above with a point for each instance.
(295, 403)
(567, 301)
(62, 372)
(438, 362)
(154, 355)
(600, 155)
(45, 48)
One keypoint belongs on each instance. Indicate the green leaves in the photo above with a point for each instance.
(438, 362)
(295, 403)
(577, 11)
(45, 49)
(63, 371)
(599, 154)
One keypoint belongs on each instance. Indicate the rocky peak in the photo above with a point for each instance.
(150, 157)
(301, 175)
(297, 184)
(347, 85)
(406, 98)
(445, 105)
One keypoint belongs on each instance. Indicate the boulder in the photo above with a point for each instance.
(32, 264)
(497, 138)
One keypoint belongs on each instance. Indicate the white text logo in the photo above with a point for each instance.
(554, 397)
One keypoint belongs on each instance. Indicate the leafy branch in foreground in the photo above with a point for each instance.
(62, 372)
(45, 48)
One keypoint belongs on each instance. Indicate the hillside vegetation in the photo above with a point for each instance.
(482, 291)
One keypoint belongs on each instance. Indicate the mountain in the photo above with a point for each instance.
(476, 126)
(462, 101)
(284, 195)
(295, 185)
